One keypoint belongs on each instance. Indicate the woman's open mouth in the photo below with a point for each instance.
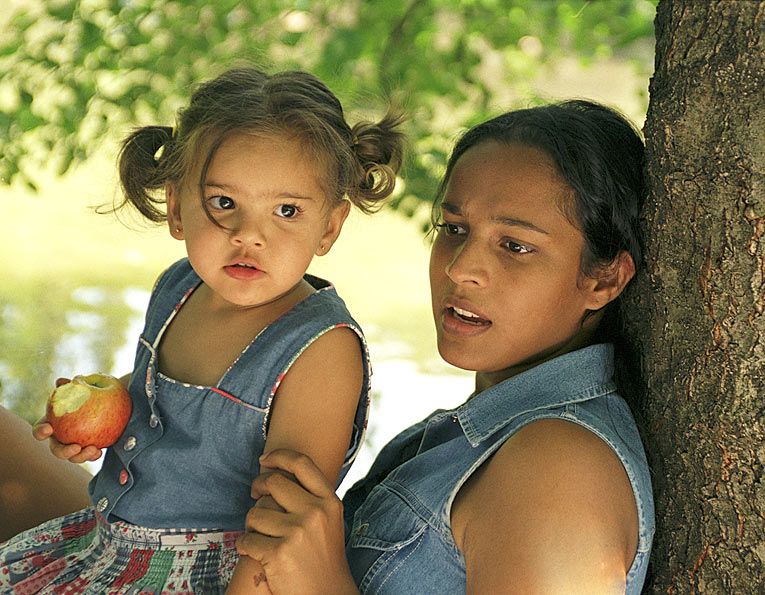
(460, 321)
(467, 316)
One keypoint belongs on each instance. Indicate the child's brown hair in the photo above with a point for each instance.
(361, 162)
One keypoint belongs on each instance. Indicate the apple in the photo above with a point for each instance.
(91, 409)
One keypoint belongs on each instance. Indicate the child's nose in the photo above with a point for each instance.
(468, 265)
(248, 232)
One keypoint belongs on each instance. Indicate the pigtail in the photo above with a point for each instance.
(141, 170)
(379, 150)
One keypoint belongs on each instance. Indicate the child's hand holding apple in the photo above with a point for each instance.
(83, 416)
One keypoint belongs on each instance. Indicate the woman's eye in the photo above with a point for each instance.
(221, 202)
(286, 211)
(451, 229)
(516, 248)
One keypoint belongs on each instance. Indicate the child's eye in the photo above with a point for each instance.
(515, 247)
(451, 229)
(286, 211)
(221, 202)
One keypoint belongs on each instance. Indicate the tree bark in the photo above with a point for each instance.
(696, 313)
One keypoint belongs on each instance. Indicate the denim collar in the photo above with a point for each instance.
(573, 377)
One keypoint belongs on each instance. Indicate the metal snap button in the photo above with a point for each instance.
(103, 504)
(362, 529)
(130, 443)
(153, 421)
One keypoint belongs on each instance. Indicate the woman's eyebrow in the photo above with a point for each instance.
(453, 209)
(514, 222)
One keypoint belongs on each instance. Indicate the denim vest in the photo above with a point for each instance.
(189, 453)
(398, 528)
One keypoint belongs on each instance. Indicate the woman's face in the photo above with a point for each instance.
(507, 291)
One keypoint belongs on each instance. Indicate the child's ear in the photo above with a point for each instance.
(337, 216)
(172, 200)
(610, 281)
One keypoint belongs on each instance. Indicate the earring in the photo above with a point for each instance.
(177, 230)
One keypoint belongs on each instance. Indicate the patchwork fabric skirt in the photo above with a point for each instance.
(80, 553)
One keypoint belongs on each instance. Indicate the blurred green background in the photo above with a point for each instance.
(75, 76)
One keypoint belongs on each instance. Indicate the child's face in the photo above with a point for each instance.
(267, 193)
(505, 275)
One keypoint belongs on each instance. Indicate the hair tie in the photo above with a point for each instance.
(355, 141)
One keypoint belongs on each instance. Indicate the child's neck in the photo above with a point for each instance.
(207, 336)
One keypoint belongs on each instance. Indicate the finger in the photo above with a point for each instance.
(287, 493)
(268, 521)
(257, 546)
(42, 429)
(64, 451)
(89, 453)
(302, 467)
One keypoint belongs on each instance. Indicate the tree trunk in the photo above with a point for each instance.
(696, 314)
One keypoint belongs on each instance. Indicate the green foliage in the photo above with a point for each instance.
(57, 330)
(75, 71)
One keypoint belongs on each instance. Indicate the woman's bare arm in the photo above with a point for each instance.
(551, 512)
(35, 486)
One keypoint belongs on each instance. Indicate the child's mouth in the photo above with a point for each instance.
(243, 271)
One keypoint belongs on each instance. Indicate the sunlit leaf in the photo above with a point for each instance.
(449, 62)
(63, 11)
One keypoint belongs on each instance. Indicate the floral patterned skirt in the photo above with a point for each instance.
(80, 553)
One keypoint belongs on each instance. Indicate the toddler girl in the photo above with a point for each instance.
(242, 352)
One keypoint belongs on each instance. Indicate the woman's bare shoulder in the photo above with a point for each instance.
(552, 509)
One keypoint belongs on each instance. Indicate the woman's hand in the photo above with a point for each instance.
(301, 548)
(75, 453)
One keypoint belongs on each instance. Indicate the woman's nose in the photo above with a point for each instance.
(468, 265)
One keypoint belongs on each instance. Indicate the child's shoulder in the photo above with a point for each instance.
(173, 274)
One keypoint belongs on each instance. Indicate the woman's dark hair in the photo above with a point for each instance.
(361, 162)
(600, 155)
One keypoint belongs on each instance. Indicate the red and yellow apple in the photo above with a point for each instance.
(91, 409)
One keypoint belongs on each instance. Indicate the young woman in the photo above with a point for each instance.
(538, 483)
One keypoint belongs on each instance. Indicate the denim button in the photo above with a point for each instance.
(123, 477)
(362, 529)
(102, 505)
(153, 421)
(130, 443)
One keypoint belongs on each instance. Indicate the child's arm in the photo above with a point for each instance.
(312, 413)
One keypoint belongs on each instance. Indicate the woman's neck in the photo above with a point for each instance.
(485, 380)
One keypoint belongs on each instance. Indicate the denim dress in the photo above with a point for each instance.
(173, 492)
(189, 453)
(398, 527)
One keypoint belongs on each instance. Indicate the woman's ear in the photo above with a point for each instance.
(172, 199)
(335, 220)
(610, 281)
